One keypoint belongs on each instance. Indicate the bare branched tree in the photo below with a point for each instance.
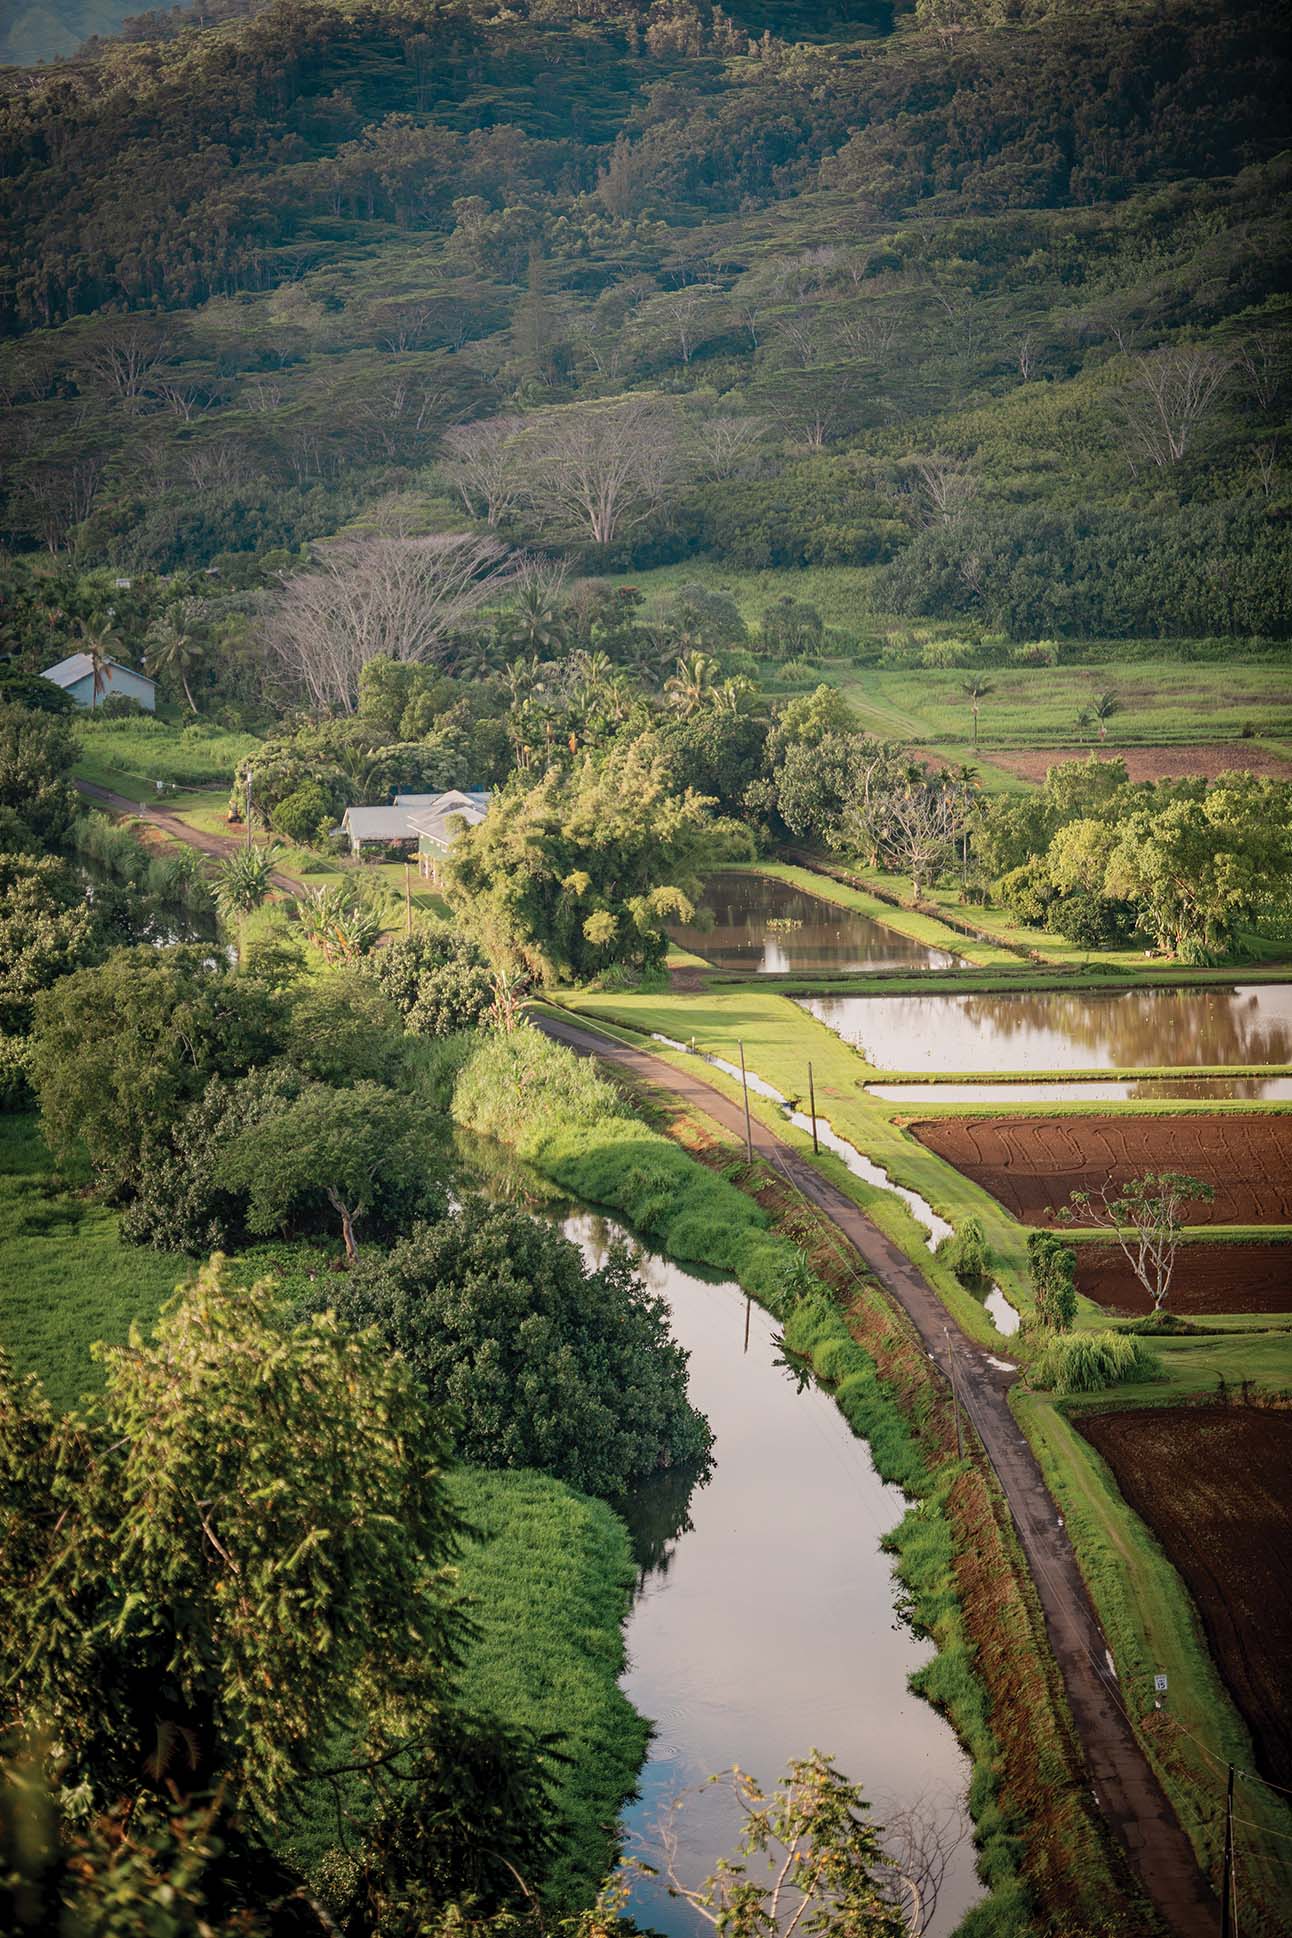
(124, 357)
(1263, 367)
(479, 462)
(1146, 1217)
(602, 468)
(725, 443)
(367, 598)
(1170, 395)
(546, 574)
(944, 487)
(914, 827)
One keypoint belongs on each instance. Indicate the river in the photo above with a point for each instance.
(765, 1625)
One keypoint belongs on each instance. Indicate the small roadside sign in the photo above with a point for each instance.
(1159, 1684)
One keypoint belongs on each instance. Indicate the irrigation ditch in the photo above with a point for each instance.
(1063, 1848)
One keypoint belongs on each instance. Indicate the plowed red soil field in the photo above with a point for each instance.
(1207, 1278)
(1154, 763)
(1032, 1163)
(1211, 1482)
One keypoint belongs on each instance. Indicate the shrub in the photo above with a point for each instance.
(1085, 1362)
(119, 706)
(966, 1253)
(304, 815)
(538, 1361)
(437, 978)
(1053, 1266)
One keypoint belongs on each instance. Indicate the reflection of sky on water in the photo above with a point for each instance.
(1058, 1030)
(825, 937)
(1105, 1090)
(767, 1627)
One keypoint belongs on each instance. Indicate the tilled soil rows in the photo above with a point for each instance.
(1207, 1278)
(1153, 763)
(1211, 1482)
(1032, 1163)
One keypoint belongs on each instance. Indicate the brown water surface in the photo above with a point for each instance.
(1067, 1030)
(821, 936)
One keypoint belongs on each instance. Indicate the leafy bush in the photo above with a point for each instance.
(966, 1252)
(437, 978)
(1085, 1362)
(305, 814)
(1053, 1266)
(538, 1361)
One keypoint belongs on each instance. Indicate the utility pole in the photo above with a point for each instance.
(247, 804)
(749, 1129)
(748, 1306)
(955, 1391)
(1226, 1881)
(812, 1106)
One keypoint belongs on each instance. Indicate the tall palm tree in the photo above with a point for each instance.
(172, 650)
(1102, 709)
(534, 624)
(975, 689)
(966, 778)
(101, 645)
(242, 882)
(693, 682)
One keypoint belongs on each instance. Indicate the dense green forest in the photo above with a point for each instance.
(990, 299)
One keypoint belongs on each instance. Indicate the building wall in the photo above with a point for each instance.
(120, 679)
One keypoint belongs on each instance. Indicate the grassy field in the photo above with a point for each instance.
(549, 1584)
(130, 756)
(1161, 701)
(66, 1277)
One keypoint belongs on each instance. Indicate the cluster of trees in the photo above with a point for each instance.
(1191, 866)
(1034, 369)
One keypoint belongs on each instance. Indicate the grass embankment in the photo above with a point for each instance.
(565, 1119)
(549, 1584)
(780, 1039)
(1150, 1621)
(550, 1581)
(130, 756)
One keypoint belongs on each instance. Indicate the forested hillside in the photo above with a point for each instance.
(988, 298)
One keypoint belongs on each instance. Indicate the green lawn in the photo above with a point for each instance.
(66, 1277)
(550, 1585)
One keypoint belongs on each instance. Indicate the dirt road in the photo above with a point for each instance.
(1125, 1787)
(217, 846)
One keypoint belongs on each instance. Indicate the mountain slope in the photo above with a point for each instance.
(955, 281)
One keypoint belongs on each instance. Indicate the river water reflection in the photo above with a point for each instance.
(764, 1624)
(818, 936)
(1062, 1030)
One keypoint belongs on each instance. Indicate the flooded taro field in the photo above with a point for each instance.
(770, 927)
(1094, 1029)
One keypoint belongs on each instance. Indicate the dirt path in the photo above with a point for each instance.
(1125, 1787)
(217, 846)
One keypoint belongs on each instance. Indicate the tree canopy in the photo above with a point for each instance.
(537, 1360)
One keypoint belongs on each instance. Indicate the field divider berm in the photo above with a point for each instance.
(1129, 1794)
